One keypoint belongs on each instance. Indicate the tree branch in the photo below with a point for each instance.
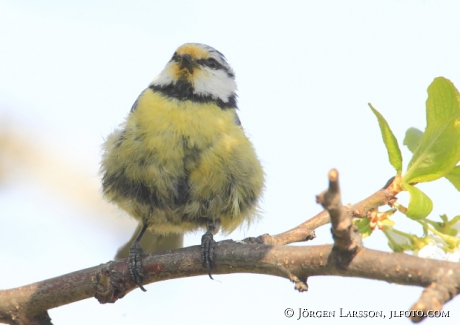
(305, 231)
(111, 281)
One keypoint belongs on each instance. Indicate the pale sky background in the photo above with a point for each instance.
(70, 71)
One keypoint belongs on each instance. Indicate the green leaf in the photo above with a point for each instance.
(445, 227)
(394, 153)
(420, 205)
(442, 102)
(454, 177)
(438, 149)
(397, 241)
(453, 223)
(437, 153)
(412, 139)
(363, 226)
(395, 247)
(388, 222)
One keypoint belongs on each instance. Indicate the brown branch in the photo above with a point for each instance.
(347, 240)
(435, 296)
(111, 281)
(306, 231)
(345, 235)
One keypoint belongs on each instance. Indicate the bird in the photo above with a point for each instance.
(181, 161)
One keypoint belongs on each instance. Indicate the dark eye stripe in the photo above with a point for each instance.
(217, 66)
(214, 65)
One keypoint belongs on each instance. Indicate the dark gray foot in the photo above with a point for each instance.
(208, 245)
(135, 264)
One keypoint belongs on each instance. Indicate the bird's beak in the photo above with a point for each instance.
(186, 62)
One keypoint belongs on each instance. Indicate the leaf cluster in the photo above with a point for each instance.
(436, 153)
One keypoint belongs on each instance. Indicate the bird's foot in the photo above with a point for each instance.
(135, 264)
(208, 245)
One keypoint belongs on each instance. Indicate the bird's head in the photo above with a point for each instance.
(197, 71)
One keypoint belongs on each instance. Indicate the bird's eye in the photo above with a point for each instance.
(212, 63)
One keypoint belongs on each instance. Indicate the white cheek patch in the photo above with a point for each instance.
(216, 83)
(165, 77)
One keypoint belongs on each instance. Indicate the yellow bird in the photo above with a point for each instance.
(181, 160)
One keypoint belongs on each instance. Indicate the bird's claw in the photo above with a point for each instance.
(208, 245)
(135, 264)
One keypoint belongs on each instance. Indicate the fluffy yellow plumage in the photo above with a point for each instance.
(181, 161)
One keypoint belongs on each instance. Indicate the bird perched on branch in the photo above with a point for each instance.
(181, 160)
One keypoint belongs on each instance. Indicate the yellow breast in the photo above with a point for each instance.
(187, 161)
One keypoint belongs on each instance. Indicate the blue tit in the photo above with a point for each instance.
(181, 160)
